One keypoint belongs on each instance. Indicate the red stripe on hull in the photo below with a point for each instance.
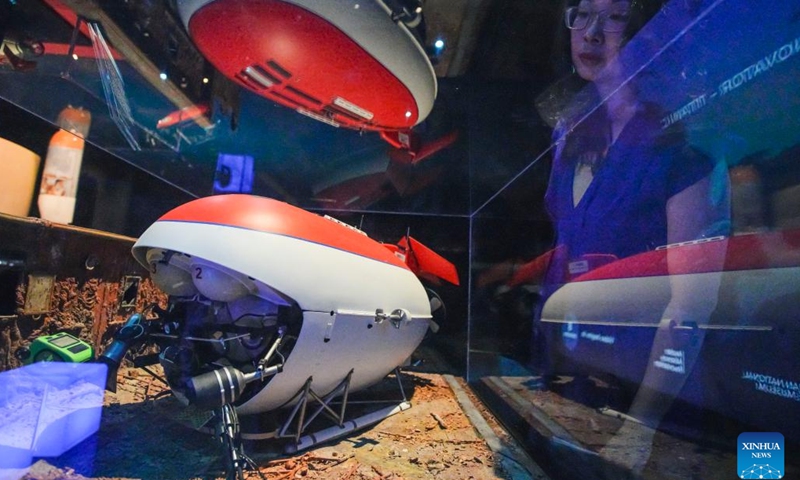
(743, 252)
(272, 216)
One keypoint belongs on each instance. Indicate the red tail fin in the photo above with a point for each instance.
(424, 262)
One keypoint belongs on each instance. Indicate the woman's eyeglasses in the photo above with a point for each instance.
(615, 20)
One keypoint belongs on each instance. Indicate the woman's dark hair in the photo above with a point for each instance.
(641, 13)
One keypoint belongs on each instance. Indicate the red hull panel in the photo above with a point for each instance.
(742, 252)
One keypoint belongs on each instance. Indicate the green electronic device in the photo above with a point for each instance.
(59, 347)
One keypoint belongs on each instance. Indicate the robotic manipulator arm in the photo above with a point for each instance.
(133, 334)
(193, 380)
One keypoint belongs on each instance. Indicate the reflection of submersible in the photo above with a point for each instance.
(272, 306)
(348, 64)
(604, 321)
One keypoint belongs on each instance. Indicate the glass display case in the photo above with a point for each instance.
(613, 180)
(644, 313)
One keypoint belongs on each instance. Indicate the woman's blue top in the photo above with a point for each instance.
(624, 209)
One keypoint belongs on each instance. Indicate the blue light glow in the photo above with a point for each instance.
(49, 408)
(234, 174)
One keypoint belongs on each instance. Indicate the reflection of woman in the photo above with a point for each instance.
(622, 185)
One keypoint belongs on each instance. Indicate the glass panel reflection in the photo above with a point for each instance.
(618, 176)
(662, 310)
(165, 98)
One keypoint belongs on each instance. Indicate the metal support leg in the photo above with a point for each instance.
(400, 383)
(342, 426)
(300, 409)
